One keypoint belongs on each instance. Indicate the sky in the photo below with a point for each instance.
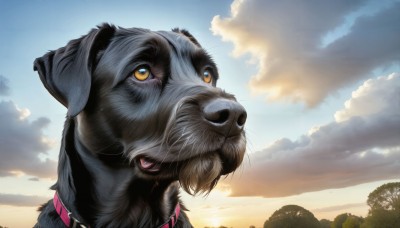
(320, 81)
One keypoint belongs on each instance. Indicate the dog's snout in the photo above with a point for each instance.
(227, 117)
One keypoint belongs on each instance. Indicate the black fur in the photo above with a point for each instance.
(192, 130)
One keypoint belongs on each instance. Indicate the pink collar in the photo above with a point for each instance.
(65, 214)
(174, 217)
(69, 221)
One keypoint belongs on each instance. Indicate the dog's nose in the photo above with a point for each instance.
(227, 117)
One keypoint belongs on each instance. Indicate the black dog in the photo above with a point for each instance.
(144, 116)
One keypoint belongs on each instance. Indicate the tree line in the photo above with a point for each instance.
(384, 212)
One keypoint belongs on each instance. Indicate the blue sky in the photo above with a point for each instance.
(311, 76)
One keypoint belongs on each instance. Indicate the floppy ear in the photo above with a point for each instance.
(66, 72)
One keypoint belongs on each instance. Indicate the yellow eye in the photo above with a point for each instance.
(207, 76)
(141, 73)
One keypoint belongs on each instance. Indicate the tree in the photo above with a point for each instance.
(385, 197)
(382, 219)
(291, 216)
(353, 221)
(384, 205)
(325, 223)
(339, 220)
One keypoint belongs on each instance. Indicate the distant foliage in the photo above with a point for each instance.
(382, 219)
(339, 220)
(292, 216)
(384, 212)
(325, 223)
(353, 221)
(384, 205)
(385, 197)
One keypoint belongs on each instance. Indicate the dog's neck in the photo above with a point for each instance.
(97, 194)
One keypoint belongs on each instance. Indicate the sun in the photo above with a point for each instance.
(215, 222)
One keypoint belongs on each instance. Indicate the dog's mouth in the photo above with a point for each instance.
(197, 170)
(195, 174)
(148, 165)
(152, 166)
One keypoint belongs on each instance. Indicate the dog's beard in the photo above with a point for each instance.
(188, 150)
(200, 174)
(197, 171)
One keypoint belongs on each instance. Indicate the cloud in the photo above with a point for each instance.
(34, 179)
(22, 142)
(372, 98)
(4, 88)
(22, 200)
(339, 207)
(362, 145)
(285, 40)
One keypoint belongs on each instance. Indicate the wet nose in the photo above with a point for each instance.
(226, 117)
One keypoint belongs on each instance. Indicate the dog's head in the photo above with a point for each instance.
(148, 101)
